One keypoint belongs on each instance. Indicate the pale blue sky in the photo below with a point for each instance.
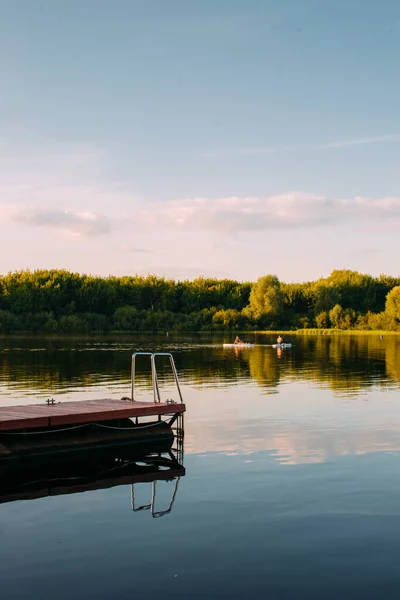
(228, 138)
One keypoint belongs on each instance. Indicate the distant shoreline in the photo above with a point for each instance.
(217, 332)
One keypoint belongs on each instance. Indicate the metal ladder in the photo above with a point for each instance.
(176, 424)
(156, 390)
(177, 421)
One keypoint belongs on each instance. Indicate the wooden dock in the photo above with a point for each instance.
(86, 411)
(55, 428)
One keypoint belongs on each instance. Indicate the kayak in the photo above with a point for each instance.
(244, 345)
(281, 345)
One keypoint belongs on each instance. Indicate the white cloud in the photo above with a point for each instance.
(290, 210)
(61, 189)
(65, 191)
(85, 223)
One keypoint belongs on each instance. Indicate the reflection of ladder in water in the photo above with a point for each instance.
(176, 423)
(151, 506)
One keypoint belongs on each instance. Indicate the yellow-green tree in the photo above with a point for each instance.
(266, 300)
(392, 307)
(326, 297)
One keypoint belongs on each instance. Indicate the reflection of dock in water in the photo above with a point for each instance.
(41, 478)
(71, 447)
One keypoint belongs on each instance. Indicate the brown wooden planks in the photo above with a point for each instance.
(85, 411)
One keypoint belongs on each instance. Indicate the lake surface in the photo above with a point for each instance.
(292, 484)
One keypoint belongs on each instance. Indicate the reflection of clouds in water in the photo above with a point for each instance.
(294, 443)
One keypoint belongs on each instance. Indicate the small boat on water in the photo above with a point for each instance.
(284, 345)
(241, 345)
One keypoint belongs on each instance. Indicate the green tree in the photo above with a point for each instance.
(336, 316)
(125, 318)
(392, 308)
(322, 320)
(266, 299)
(228, 319)
(326, 297)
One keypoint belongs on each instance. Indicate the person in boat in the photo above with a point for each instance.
(238, 340)
(279, 339)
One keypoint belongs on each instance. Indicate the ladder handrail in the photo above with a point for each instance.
(156, 389)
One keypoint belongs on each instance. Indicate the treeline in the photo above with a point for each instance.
(60, 301)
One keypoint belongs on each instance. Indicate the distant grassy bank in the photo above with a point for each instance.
(345, 332)
(323, 332)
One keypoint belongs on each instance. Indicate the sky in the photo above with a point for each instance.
(186, 138)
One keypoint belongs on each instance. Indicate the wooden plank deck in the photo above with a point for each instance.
(85, 411)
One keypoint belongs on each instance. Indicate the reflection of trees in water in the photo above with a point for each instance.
(348, 363)
(50, 370)
(345, 363)
(264, 366)
(51, 365)
(392, 357)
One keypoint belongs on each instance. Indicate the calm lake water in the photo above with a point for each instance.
(292, 484)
